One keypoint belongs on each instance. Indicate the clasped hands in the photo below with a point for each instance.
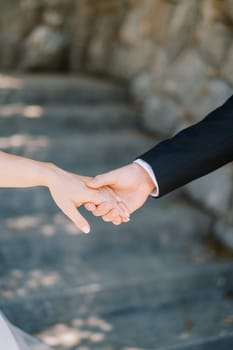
(113, 195)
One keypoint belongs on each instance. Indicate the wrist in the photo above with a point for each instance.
(47, 174)
(146, 182)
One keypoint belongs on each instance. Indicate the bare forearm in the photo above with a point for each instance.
(67, 190)
(22, 172)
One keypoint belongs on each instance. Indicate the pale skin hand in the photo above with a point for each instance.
(68, 190)
(131, 183)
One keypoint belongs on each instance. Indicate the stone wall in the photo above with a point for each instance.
(176, 56)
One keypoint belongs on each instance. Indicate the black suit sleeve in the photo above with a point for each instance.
(195, 151)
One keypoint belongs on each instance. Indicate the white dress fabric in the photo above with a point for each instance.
(12, 338)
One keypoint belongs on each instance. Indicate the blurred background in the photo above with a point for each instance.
(90, 85)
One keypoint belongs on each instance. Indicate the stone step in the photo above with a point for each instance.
(27, 342)
(150, 314)
(54, 233)
(44, 263)
(214, 343)
(49, 119)
(80, 150)
(44, 90)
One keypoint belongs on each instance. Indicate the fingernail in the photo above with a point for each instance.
(127, 216)
(86, 229)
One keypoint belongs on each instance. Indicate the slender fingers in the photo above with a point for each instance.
(73, 214)
(112, 216)
(114, 209)
(105, 210)
(102, 209)
(90, 206)
(117, 221)
(124, 207)
(121, 205)
(109, 217)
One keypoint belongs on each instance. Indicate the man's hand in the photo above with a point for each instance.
(131, 183)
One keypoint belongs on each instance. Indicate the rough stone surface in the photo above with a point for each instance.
(161, 115)
(181, 45)
(127, 63)
(158, 69)
(31, 10)
(223, 231)
(229, 8)
(45, 49)
(213, 191)
(9, 50)
(212, 95)
(141, 87)
(215, 42)
(227, 69)
(53, 19)
(185, 76)
(183, 23)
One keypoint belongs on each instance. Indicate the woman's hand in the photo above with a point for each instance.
(69, 191)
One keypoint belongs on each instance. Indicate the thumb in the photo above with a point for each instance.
(106, 179)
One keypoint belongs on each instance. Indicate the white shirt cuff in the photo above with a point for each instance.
(151, 173)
